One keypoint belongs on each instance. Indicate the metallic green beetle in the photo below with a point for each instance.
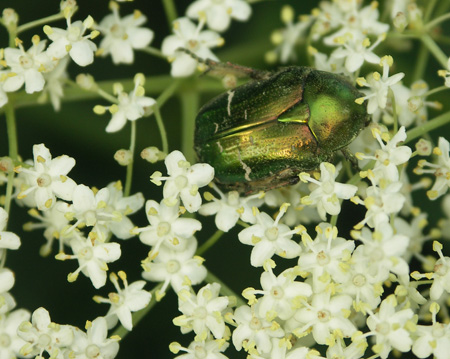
(262, 134)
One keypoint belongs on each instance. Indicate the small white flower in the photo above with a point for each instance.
(432, 339)
(328, 192)
(8, 240)
(191, 37)
(123, 35)
(177, 268)
(11, 342)
(441, 169)
(382, 251)
(326, 257)
(54, 223)
(130, 106)
(7, 280)
(355, 50)
(440, 274)
(72, 41)
(127, 300)
(269, 237)
(281, 294)
(446, 73)
(229, 208)
(202, 313)
(42, 335)
(326, 314)
(388, 327)
(27, 67)
(184, 181)
(166, 227)
(285, 39)
(92, 256)
(389, 156)
(95, 342)
(47, 178)
(55, 81)
(219, 13)
(379, 86)
(253, 332)
(208, 349)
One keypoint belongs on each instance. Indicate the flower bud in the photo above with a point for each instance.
(123, 157)
(152, 154)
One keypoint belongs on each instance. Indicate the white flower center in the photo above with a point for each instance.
(438, 330)
(163, 229)
(383, 328)
(359, 280)
(255, 324)
(26, 62)
(277, 292)
(233, 199)
(44, 341)
(73, 34)
(44, 180)
(322, 258)
(440, 269)
(117, 31)
(5, 340)
(200, 312)
(86, 253)
(192, 45)
(328, 187)
(200, 352)
(92, 351)
(323, 316)
(173, 266)
(272, 233)
(181, 182)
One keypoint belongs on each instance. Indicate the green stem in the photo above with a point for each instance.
(171, 11)
(437, 21)
(421, 62)
(435, 50)
(168, 92)
(394, 110)
(154, 51)
(435, 90)
(224, 289)
(13, 149)
(427, 127)
(39, 22)
(429, 10)
(333, 219)
(106, 95)
(129, 178)
(138, 316)
(162, 129)
(210, 242)
(189, 105)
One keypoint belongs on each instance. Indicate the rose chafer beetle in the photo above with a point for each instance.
(261, 135)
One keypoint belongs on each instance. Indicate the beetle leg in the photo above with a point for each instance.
(216, 68)
(351, 158)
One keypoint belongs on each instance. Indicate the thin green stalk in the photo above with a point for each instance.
(13, 149)
(224, 289)
(189, 104)
(436, 122)
(210, 242)
(171, 11)
(333, 220)
(435, 90)
(437, 21)
(435, 50)
(429, 10)
(129, 178)
(421, 62)
(138, 316)
(162, 129)
(168, 92)
(154, 51)
(40, 22)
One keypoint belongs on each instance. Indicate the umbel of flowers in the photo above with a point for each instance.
(375, 291)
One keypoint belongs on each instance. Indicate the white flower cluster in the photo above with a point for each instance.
(217, 16)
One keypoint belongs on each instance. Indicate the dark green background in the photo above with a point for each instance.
(78, 132)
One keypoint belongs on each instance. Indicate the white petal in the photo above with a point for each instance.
(82, 52)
